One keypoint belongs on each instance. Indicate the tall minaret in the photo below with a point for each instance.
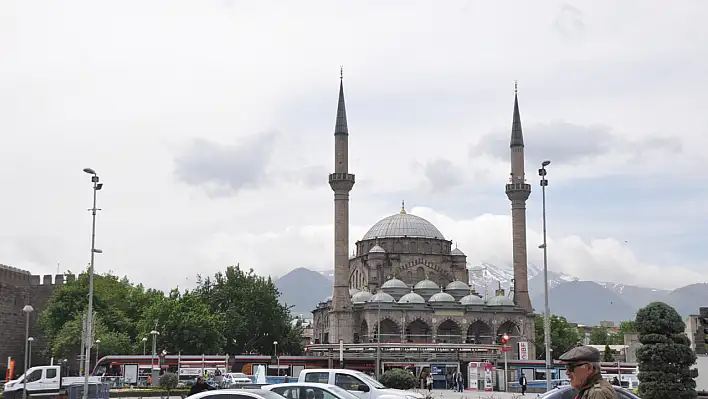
(518, 192)
(341, 181)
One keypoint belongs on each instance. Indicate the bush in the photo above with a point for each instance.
(398, 379)
(169, 381)
(666, 357)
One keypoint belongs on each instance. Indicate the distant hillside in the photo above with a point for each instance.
(585, 302)
(688, 299)
(303, 289)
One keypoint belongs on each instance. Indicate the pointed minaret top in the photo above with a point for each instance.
(340, 126)
(517, 137)
(403, 207)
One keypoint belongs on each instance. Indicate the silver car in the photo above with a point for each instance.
(236, 394)
(309, 390)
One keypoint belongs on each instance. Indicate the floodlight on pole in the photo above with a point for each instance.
(27, 309)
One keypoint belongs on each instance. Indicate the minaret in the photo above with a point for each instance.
(341, 181)
(518, 192)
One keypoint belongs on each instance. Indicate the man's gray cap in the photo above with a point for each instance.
(581, 354)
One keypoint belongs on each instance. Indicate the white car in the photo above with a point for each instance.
(309, 390)
(236, 394)
(235, 379)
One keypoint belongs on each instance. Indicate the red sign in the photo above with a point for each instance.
(505, 339)
(505, 348)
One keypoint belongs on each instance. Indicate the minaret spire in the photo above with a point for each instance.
(518, 192)
(341, 182)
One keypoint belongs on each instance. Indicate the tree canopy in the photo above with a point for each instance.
(599, 336)
(564, 336)
(233, 312)
(666, 357)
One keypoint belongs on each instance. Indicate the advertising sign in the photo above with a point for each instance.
(488, 377)
(473, 376)
(523, 350)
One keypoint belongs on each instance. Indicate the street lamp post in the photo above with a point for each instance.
(154, 334)
(547, 312)
(27, 309)
(378, 339)
(98, 341)
(29, 356)
(145, 340)
(89, 318)
(277, 358)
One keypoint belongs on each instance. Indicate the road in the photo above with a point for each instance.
(445, 394)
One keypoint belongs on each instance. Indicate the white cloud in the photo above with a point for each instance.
(125, 87)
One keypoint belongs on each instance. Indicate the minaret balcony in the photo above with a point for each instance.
(513, 187)
(337, 177)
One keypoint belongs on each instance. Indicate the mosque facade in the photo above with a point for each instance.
(405, 282)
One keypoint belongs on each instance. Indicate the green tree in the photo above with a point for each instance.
(599, 336)
(186, 324)
(564, 336)
(67, 341)
(250, 311)
(608, 354)
(666, 357)
(169, 381)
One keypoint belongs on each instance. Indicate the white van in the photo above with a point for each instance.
(355, 382)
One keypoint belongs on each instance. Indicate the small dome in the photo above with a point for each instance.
(394, 283)
(382, 297)
(457, 285)
(328, 299)
(426, 285)
(353, 291)
(377, 249)
(472, 299)
(411, 297)
(442, 297)
(361, 297)
(457, 252)
(500, 300)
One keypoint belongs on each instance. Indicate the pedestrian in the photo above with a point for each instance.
(459, 382)
(430, 382)
(616, 382)
(523, 384)
(583, 370)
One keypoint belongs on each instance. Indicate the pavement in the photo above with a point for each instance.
(448, 394)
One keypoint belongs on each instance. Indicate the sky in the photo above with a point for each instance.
(211, 125)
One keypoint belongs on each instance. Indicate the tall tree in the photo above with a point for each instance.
(608, 355)
(564, 336)
(599, 336)
(252, 316)
(67, 341)
(666, 357)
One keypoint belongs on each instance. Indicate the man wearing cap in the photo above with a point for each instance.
(583, 369)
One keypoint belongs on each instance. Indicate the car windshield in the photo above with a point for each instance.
(370, 380)
(342, 393)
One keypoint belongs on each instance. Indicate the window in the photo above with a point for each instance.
(34, 376)
(289, 393)
(347, 382)
(51, 373)
(322, 378)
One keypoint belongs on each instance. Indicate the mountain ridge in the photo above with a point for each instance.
(581, 301)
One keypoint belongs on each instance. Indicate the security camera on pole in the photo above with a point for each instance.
(89, 319)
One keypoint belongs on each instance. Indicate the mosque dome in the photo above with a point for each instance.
(457, 285)
(500, 300)
(442, 297)
(403, 224)
(377, 249)
(394, 283)
(382, 297)
(361, 297)
(411, 297)
(471, 299)
(328, 299)
(353, 291)
(426, 285)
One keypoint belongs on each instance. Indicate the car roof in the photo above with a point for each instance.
(565, 388)
(299, 384)
(255, 393)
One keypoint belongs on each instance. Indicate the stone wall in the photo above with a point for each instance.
(17, 289)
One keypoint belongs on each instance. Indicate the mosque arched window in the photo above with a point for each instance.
(413, 246)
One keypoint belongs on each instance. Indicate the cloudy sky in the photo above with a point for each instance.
(211, 125)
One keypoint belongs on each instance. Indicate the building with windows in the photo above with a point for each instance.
(405, 282)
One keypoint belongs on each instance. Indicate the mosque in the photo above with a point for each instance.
(406, 283)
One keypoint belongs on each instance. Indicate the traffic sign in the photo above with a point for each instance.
(505, 348)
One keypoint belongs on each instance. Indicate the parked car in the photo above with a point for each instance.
(356, 382)
(237, 379)
(312, 390)
(236, 394)
(568, 392)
